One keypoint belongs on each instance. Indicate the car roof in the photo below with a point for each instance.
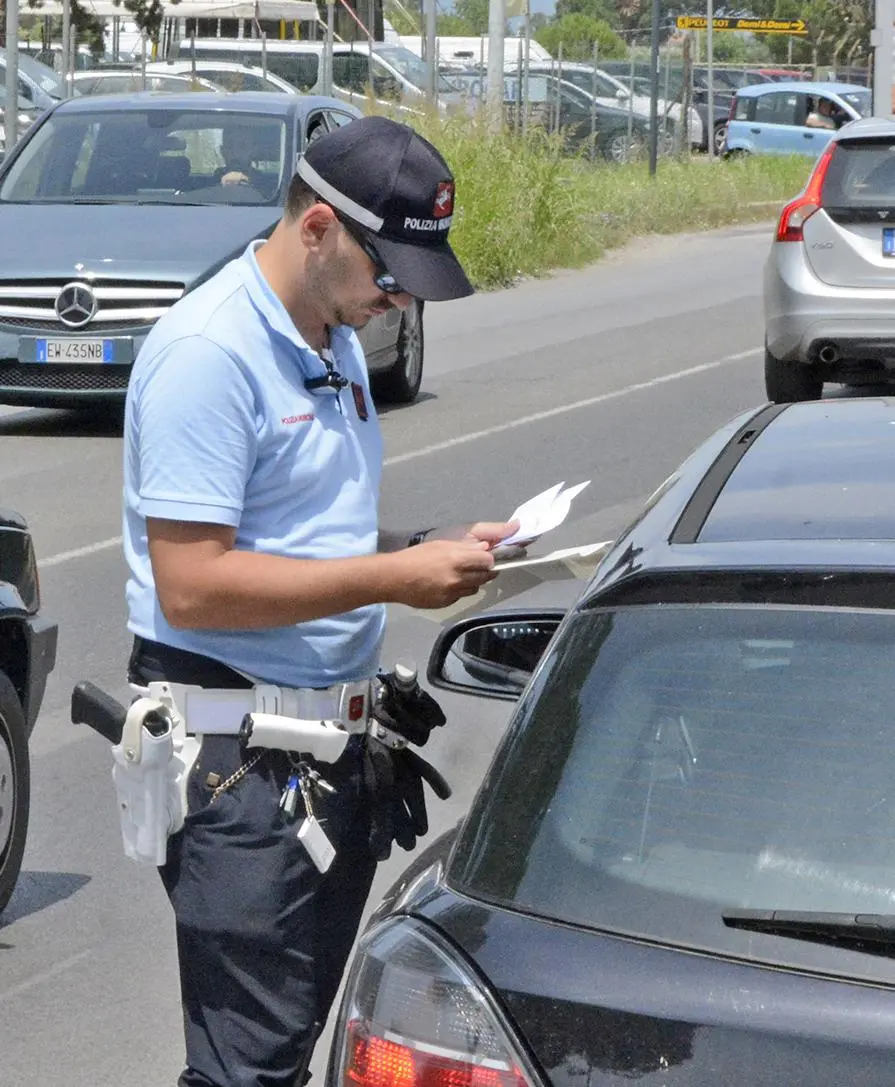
(801, 86)
(866, 127)
(785, 487)
(180, 64)
(273, 103)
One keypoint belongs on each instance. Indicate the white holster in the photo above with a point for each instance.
(151, 770)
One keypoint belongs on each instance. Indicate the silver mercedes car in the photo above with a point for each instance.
(829, 281)
(112, 207)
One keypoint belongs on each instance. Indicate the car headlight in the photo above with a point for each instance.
(415, 1014)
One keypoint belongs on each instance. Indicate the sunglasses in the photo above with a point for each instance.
(383, 279)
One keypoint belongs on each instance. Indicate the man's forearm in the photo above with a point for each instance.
(245, 590)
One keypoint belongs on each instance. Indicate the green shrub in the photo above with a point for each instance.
(523, 207)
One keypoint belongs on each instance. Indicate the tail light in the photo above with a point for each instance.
(799, 211)
(415, 1015)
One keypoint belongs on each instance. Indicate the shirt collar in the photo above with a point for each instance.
(272, 309)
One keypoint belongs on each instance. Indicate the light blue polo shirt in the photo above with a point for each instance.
(219, 428)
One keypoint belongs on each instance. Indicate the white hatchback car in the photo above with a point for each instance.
(829, 280)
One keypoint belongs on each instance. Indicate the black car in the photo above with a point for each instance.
(680, 867)
(27, 656)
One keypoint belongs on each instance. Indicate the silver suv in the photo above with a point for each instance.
(829, 281)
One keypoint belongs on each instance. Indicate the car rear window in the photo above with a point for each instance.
(861, 174)
(669, 763)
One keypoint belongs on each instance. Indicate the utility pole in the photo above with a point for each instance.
(710, 101)
(328, 47)
(497, 19)
(430, 51)
(66, 42)
(11, 112)
(653, 89)
(881, 39)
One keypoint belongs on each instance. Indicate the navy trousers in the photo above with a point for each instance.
(262, 936)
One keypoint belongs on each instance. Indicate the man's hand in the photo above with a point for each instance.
(437, 572)
(235, 177)
(489, 532)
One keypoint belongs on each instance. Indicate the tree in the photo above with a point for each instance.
(474, 14)
(453, 26)
(147, 14)
(838, 30)
(578, 34)
(595, 9)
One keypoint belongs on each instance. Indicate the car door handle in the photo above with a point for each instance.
(755, 130)
(807, 135)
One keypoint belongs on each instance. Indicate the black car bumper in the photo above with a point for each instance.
(41, 637)
(65, 386)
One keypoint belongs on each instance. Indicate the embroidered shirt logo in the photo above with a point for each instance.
(289, 420)
(360, 401)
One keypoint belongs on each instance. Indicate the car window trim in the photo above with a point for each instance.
(699, 506)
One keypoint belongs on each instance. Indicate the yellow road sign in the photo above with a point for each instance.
(755, 26)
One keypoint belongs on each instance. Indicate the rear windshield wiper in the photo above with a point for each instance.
(873, 933)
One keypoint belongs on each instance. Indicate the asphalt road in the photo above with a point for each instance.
(612, 374)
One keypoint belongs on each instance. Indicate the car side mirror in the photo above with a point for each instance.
(492, 656)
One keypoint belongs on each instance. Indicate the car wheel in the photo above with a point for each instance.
(400, 384)
(620, 149)
(790, 382)
(720, 137)
(15, 788)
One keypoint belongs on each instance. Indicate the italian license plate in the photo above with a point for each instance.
(74, 350)
(889, 241)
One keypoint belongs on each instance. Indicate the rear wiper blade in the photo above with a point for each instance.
(873, 933)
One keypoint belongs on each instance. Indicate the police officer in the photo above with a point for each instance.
(252, 469)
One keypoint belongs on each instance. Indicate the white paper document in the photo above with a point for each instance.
(519, 575)
(542, 513)
(538, 515)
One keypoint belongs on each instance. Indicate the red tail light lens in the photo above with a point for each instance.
(416, 1014)
(799, 211)
(381, 1062)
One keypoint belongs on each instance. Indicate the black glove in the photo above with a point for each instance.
(394, 784)
(411, 713)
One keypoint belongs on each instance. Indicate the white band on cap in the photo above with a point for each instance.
(337, 199)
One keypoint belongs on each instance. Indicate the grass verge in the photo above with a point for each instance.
(524, 208)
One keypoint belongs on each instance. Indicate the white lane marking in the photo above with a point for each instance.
(463, 439)
(46, 975)
(80, 552)
(563, 409)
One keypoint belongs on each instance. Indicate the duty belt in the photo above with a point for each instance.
(220, 711)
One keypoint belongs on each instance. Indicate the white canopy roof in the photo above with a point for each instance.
(303, 10)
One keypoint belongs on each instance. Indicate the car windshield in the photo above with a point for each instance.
(860, 101)
(670, 763)
(133, 156)
(410, 66)
(586, 81)
(44, 77)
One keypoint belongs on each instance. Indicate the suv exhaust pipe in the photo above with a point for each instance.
(828, 354)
